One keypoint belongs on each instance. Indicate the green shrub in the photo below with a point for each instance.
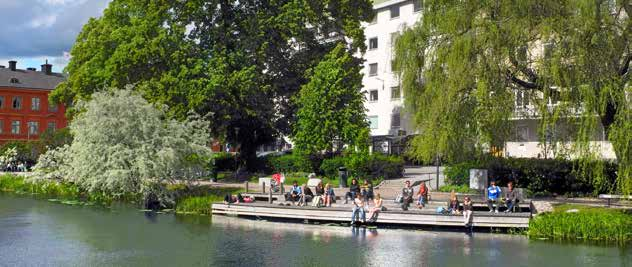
(290, 163)
(198, 200)
(458, 174)
(224, 161)
(587, 223)
(365, 166)
(457, 189)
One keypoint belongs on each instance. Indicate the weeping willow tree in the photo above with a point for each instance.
(463, 64)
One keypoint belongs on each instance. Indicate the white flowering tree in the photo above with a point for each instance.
(125, 145)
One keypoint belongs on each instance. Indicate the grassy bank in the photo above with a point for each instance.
(583, 223)
(188, 201)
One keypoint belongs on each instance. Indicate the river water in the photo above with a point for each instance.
(42, 233)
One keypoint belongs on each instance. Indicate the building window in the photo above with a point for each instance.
(395, 121)
(554, 97)
(35, 103)
(374, 20)
(522, 99)
(395, 11)
(373, 95)
(33, 127)
(52, 107)
(15, 127)
(14, 80)
(372, 69)
(1, 127)
(522, 134)
(17, 102)
(1, 101)
(51, 126)
(373, 122)
(395, 93)
(417, 5)
(373, 43)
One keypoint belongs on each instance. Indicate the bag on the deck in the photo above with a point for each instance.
(399, 199)
(441, 210)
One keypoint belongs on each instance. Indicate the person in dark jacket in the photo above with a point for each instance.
(367, 191)
(453, 204)
(467, 211)
(511, 197)
(407, 195)
(354, 189)
(307, 196)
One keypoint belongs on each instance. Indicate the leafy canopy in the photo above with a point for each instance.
(331, 109)
(124, 145)
(463, 64)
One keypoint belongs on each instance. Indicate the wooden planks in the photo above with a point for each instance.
(426, 218)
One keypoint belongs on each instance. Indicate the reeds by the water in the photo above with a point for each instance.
(201, 205)
(583, 223)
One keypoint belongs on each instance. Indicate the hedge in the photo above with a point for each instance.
(365, 166)
(542, 177)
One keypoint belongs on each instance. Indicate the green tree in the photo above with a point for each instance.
(331, 109)
(124, 145)
(463, 63)
(241, 62)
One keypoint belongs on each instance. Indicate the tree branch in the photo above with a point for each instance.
(522, 83)
(626, 65)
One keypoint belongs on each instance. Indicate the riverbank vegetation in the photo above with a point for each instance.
(575, 222)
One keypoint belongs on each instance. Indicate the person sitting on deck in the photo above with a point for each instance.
(453, 204)
(376, 209)
(230, 199)
(422, 195)
(467, 211)
(320, 194)
(511, 197)
(295, 193)
(358, 207)
(329, 195)
(493, 194)
(407, 195)
(354, 190)
(367, 191)
(307, 196)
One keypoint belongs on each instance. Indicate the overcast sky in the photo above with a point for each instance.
(32, 31)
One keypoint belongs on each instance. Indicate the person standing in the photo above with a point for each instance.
(493, 194)
(467, 211)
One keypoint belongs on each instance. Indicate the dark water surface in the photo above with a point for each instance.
(42, 233)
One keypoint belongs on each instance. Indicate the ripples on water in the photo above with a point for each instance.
(40, 233)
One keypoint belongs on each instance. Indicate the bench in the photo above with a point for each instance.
(610, 197)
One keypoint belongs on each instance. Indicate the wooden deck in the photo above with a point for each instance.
(390, 217)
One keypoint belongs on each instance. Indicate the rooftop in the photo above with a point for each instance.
(29, 79)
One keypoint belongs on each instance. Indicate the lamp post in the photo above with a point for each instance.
(236, 160)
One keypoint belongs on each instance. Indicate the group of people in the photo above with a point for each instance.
(361, 206)
(16, 167)
(302, 194)
(365, 191)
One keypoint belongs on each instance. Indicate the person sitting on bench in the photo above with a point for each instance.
(307, 196)
(376, 209)
(330, 197)
(320, 195)
(354, 190)
(407, 195)
(422, 195)
(511, 197)
(493, 194)
(358, 207)
(295, 193)
(367, 190)
(453, 204)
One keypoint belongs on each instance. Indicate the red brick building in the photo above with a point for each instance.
(25, 112)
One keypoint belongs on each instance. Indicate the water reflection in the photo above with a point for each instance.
(39, 233)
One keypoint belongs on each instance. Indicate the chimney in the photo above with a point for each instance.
(2, 67)
(47, 68)
(31, 69)
(12, 65)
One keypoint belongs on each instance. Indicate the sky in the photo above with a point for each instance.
(32, 31)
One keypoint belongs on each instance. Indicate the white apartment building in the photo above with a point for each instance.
(390, 126)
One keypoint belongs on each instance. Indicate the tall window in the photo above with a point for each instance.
(395, 93)
(417, 5)
(52, 107)
(372, 69)
(15, 127)
(395, 11)
(395, 120)
(522, 99)
(51, 126)
(35, 103)
(1, 101)
(33, 127)
(373, 95)
(374, 20)
(373, 122)
(373, 43)
(17, 102)
(522, 134)
(1, 126)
